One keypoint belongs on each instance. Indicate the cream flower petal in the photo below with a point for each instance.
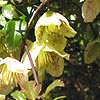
(61, 53)
(34, 50)
(15, 66)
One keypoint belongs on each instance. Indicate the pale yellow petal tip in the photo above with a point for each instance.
(50, 17)
(2, 3)
(67, 56)
(2, 97)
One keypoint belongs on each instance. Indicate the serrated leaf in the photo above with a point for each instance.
(90, 10)
(9, 11)
(17, 95)
(53, 85)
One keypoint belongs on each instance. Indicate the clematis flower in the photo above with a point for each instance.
(45, 59)
(10, 72)
(52, 25)
(47, 51)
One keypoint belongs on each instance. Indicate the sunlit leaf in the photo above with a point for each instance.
(14, 31)
(53, 85)
(9, 11)
(17, 95)
(90, 10)
(59, 98)
(2, 20)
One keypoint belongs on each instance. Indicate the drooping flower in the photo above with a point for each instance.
(10, 71)
(47, 51)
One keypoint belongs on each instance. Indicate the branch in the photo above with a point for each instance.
(24, 45)
(31, 62)
(33, 16)
(35, 12)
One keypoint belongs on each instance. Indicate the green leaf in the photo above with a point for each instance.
(17, 95)
(53, 85)
(31, 90)
(11, 36)
(14, 29)
(9, 11)
(59, 98)
(2, 20)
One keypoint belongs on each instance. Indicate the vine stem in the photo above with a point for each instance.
(24, 45)
(35, 12)
(31, 62)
